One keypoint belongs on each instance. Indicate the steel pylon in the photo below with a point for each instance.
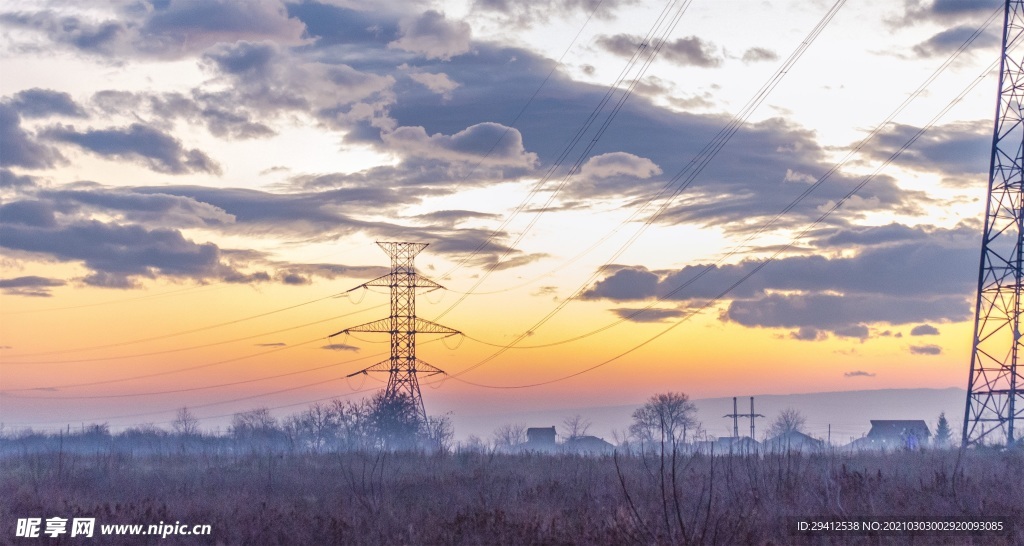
(995, 391)
(402, 366)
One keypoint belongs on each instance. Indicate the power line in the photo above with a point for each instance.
(974, 83)
(194, 347)
(637, 56)
(737, 248)
(701, 160)
(174, 334)
(189, 389)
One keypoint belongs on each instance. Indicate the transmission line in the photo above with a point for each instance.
(764, 263)
(737, 248)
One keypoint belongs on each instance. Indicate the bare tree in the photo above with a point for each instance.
(440, 433)
(354, 431)
(665, 419)
(576, 426)
(789, 420)
(474, 443)
(256, 428)
(510, 435)
(185, 423)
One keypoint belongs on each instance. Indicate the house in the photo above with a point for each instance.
(590, 445)
(894, 434)
(793, 440)
(540, 439)
(910, 434)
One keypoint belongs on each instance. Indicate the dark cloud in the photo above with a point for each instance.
(328, 214)
(524, 13)
(433, 36)
(333, 26)
(40, 103)
(277, 344)
(294, 279)
(140, 143)
(808, 333)
(951, 39)
(272, 80)
(101, 38)
(957, 150)
(924, 330)
(647, 315)
(916, 276)
(691, 51)
(859, 373)
(244, 57)
(943, 11)
(18, 148)
(767, 167)
(172, 30)
(10, 179)
(198, 25)
(688, 51)
(941, 264)
(930, 350)
(859, 331)
(118, 254)
(333, 271)
(256, 211)
(758, 54)
(626, 284)
(779, 161)
(29, 286)
(484, 143)
(842, 314)
(340, 347)
(29, 213)
(159, 209)
(451, 218)
(221, 116)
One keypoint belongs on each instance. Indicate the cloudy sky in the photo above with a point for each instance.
(697, 196)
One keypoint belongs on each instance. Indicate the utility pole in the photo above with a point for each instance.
(995, 389)
(752, 417)
(735, 415)
(402, 366)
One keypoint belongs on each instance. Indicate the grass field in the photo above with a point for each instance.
(494, 498)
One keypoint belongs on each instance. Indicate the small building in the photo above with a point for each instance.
(894, 434)
(589, 445)
(793, 440)
(540, 439)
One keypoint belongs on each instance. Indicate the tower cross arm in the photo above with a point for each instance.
(380, 325)
(385, 281)
(387, 365)
(421, 326)
(424, 326)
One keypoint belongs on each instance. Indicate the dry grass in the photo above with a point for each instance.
(482, 498)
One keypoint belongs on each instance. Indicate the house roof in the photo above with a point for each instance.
(898, 428)
(794, 437)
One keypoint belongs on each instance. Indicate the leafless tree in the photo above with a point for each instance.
(665, 419)
(509, 435)
(576, 426)
(440, 433)
(185, 423)
(789, 420)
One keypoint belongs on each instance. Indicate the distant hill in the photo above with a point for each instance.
(849, 413)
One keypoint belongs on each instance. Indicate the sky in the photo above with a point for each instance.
(621, 197)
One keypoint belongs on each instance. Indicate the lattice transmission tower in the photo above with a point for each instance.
(402, 366)
(995, 391)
